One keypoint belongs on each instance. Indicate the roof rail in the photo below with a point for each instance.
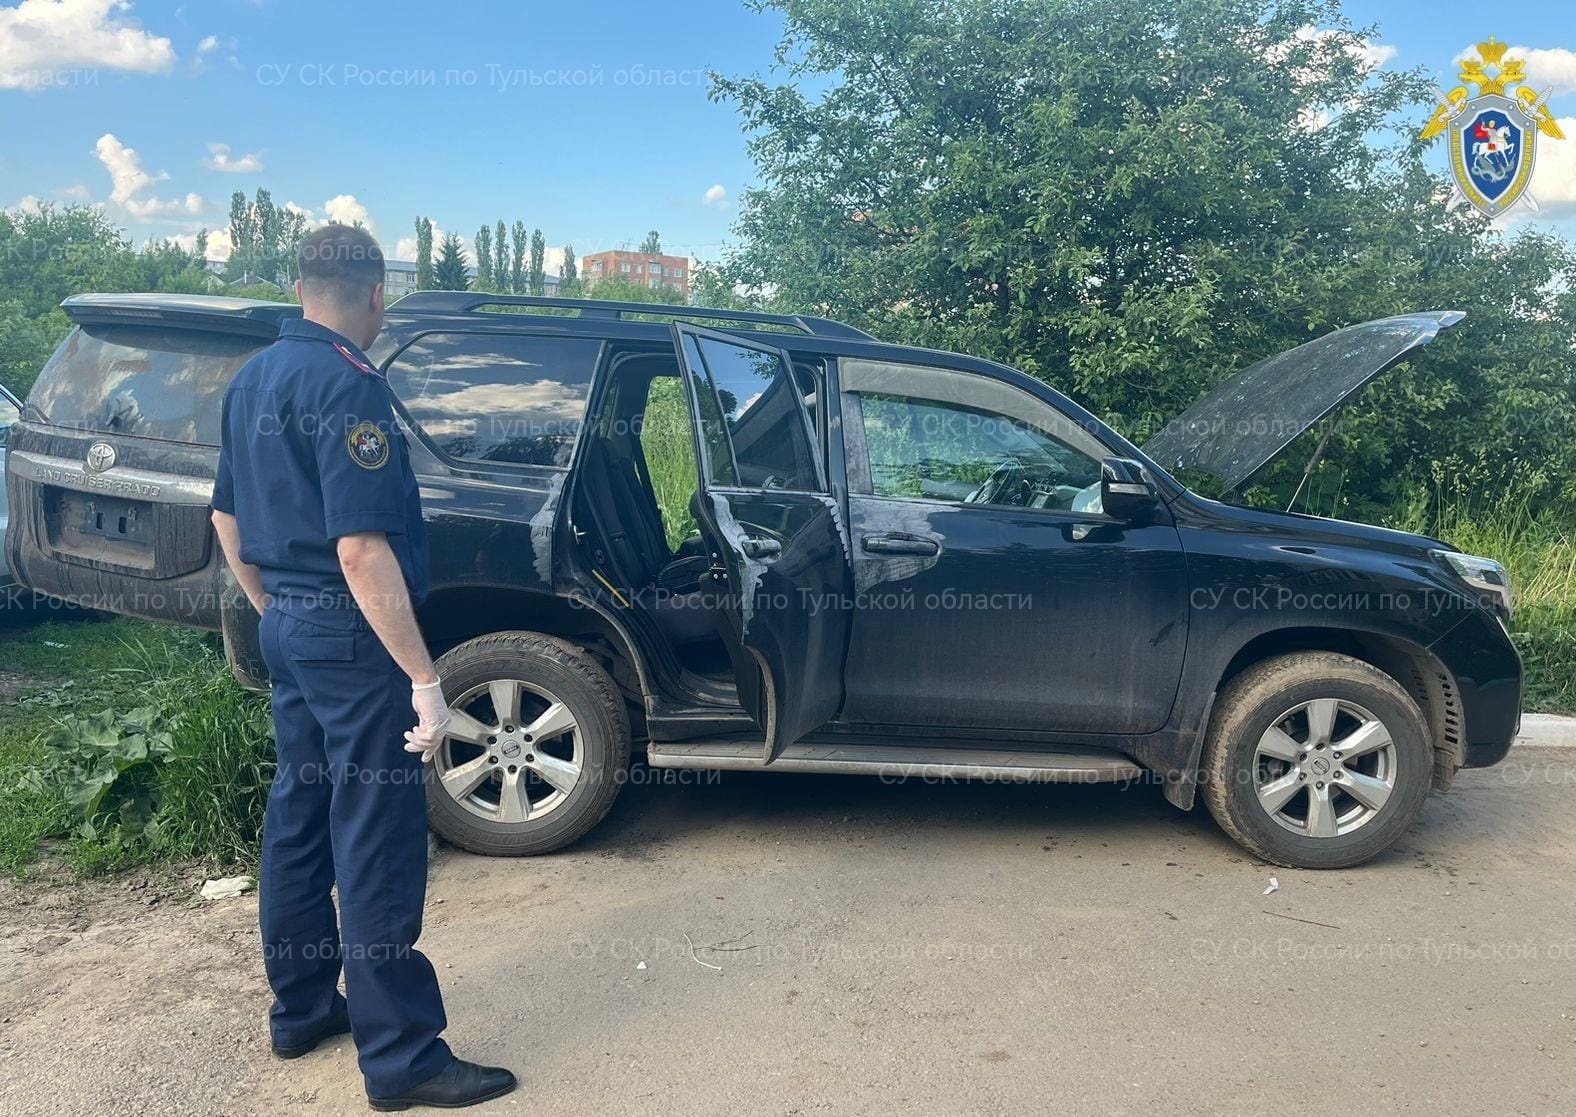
(469, 302)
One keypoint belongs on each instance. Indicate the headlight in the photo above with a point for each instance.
(1482, 574)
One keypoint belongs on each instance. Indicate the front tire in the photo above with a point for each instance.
(1316, 761)
(537, 750)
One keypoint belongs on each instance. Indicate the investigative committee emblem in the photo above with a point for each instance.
(369, 447)
(1492, 137)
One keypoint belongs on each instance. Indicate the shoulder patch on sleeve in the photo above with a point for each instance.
(369, 446)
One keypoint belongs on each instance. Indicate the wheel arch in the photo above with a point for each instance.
(450, 617)
(1418, 671)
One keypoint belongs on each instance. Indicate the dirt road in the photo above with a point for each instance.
(886, 948)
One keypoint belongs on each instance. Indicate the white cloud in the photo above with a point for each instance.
(131, 184)
(30, 204)
(1548, 71)
(208, 45)
(77, 193)
(716, 197)
(346, 210)
(220, 159)
(1554, 174)
(41, 41)
(1370, 54)
(219, 247)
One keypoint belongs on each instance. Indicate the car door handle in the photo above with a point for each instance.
(900, 545)
(754, 546)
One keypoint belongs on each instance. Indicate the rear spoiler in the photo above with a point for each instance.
(216, 313)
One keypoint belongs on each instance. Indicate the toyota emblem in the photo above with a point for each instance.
(100, 456)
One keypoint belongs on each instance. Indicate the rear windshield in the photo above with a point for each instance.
(148, 381)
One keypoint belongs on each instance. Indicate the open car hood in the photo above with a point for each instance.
(1245, 421)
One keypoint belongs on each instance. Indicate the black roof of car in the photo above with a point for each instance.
(263, 317)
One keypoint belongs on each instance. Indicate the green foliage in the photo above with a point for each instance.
(184, 773)
(49, 255)
(424, 270)
(450, 271)
(265, 240)
(502, 269)
(517, 266)
(1539, 553)
(568, 284)
(652, 243)
(1131, 199)
(484, 259)
(668, 443)
(538, 272)
(620, 288)
(106, 766)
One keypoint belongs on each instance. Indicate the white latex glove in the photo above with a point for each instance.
(432, 717)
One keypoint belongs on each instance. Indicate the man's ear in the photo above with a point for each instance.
(377, 299)
(299, 299)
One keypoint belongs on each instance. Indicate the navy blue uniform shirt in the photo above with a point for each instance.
(310, 452)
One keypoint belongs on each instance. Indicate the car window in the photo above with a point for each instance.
(954, 436)
(148, 381)
(752, 423)
(512, 398)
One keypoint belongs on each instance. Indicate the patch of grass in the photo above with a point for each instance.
(667, 440)
(199, 793)
(1539, 552)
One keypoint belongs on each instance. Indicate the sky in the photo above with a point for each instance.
(590, 121)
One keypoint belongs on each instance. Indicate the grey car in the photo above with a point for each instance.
(10, 411)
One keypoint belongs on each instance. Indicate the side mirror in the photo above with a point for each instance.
(1124, 493)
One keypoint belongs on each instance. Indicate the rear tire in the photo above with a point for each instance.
(1316, 761)
(495, 788)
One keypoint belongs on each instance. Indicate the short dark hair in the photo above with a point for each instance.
(340, 262)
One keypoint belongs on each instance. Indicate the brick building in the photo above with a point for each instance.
(650, 269)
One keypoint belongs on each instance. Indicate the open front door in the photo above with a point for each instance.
(780, 570)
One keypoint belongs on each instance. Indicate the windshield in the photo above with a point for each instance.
(148, 381)
(1255, 414)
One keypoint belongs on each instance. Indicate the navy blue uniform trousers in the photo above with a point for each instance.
(347, 807)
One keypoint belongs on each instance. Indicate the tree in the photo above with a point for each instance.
(484, 259)
(265, 262)
(52, 253)
(424, 270)
(1127, 198)
(243, 236)
(538, 263)
(292, 231)
(501, 269)
(451, 272)
(652, 244)
(517, 260)
(621, 288)
(568, 284)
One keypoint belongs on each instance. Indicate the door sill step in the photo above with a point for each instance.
(1064, 764)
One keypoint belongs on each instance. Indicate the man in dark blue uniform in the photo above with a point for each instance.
(319, 515)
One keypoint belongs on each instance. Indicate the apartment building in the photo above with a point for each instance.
(650, 269)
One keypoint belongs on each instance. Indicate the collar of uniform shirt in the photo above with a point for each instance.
(300, 329)
(303, 330)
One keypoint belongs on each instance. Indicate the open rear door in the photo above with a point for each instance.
(780, 569)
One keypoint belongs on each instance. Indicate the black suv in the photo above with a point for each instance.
(752, 541)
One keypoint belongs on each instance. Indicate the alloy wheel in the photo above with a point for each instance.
(1324, 768)
(512, 752)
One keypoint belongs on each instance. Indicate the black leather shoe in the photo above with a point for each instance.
(338, 1025)
(457, 1085)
